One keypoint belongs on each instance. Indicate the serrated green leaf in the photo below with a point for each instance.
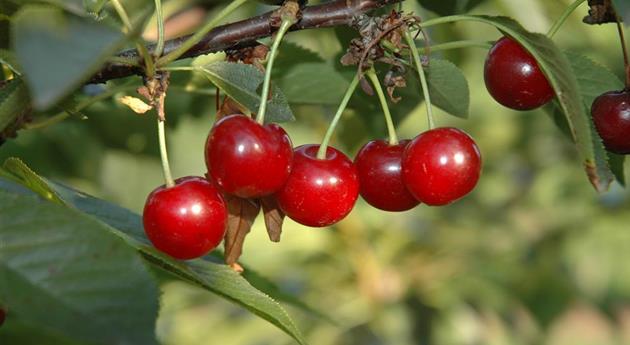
(58, 51)
(14, 101)
(63, 270)
(217, 278)
(22, 174)
(94, 6)
(292, 55)
(448, 87)
(558, 70)
(449, 7)
(241, 82)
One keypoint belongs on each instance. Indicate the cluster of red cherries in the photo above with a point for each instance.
(249, 160)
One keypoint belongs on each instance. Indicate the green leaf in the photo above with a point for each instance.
(241, 82)
(558, 70)
(63, 270)
(217, 278)
(94, 6)
(58, 51)
(313, 83)
(448, 87)
(22, 174)
(449, 7)
(14, 102)
(8, 59)
(594, 80)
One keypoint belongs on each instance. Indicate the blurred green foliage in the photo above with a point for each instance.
(532, 256)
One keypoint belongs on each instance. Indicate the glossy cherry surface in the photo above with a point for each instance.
(380, 176)
(319, 192)
(441, 166)
(611, 115)
(185, 221)
(513, 77)
(246, 159)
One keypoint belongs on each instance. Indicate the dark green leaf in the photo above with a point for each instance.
(558, 70)
(8, 59)
(313, 83)
(616, 163)
(94, 6)
(66, 271)
(14, 102)
(217, 278)
(58, 51)
(449, 7)
(241, 82)
(448, 87)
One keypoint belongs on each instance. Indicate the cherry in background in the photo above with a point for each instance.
(246, 159)
(441, 166)
(185, 221)
(513, 77)
(380, 176)
(319, 192)
(611, 115)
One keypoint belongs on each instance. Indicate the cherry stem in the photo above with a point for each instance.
(461, 44)
(393, 138)
(166, 168)
(563, 17)
(159, 47)
(284, 27)
(624, 49)
(423, 78)
(321, 153)
(194, 39)
(128, 28)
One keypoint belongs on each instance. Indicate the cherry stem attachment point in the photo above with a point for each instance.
(199, 34)
(423, 78)
(563, 17)
(166, 168)
(284, 27)
(321, 153)
(393, 138)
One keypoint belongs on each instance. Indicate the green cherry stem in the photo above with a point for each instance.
(194, 39)
(393, 138)
(321, 153)
(166, 168)
(624, 49)
(423, 78)
(128, 28)
(284, 27)
(563, 17)
(460, 44)
(159, 47)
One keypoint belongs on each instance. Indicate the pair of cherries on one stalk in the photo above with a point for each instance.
(514, 79)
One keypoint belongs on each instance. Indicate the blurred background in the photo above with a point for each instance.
(532, 256)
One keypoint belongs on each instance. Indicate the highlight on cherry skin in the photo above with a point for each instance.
(441, 165)
(185, 221)
(319, 192)
(380, 176)
(247, 159)
(611, 116)
(513, 78)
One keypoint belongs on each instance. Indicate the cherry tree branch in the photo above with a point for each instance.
(245, 33)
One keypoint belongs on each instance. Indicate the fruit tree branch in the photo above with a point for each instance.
(246, 32)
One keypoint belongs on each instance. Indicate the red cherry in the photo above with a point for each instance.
(441, 166)
(185, 221)
(611, 115)
(513, 77)
(380, 176)
(319, 192)
(246, 159)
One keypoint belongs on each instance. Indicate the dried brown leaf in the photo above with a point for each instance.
(600, 12)
(273, 217)
(241, 215)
